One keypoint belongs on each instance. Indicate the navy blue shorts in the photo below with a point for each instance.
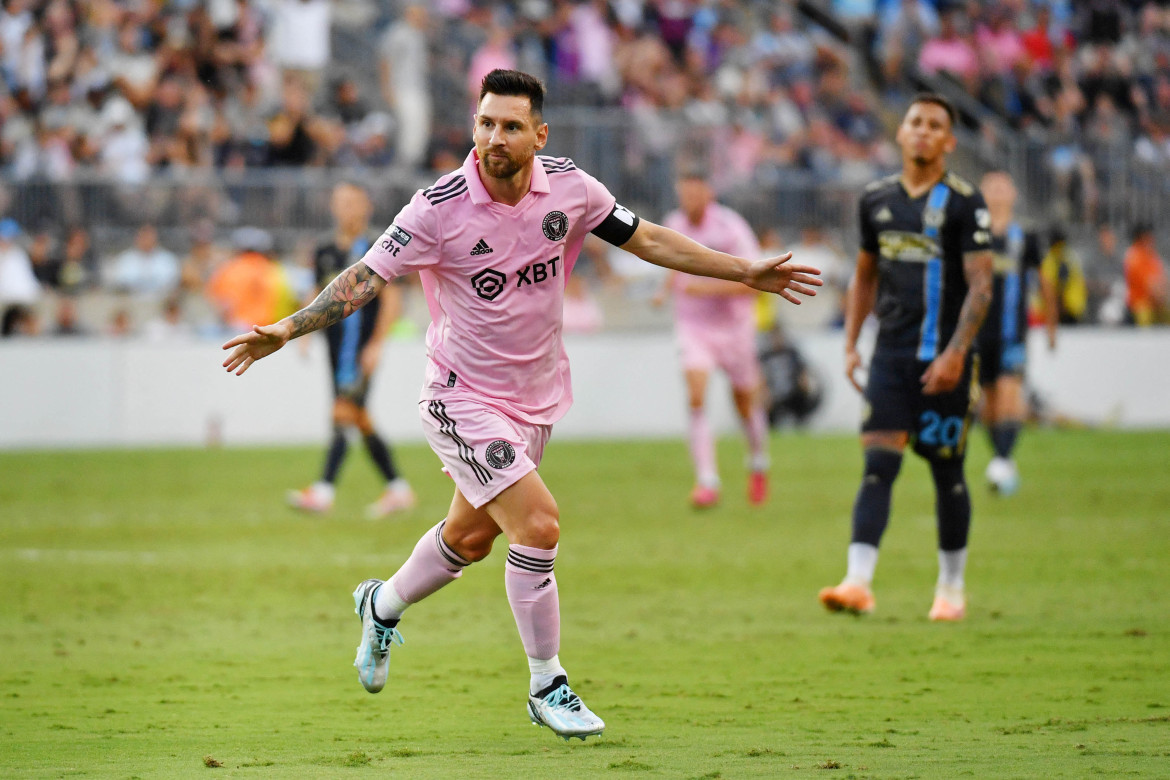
(1000, 358)
(894, 401)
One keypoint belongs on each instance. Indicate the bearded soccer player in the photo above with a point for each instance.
(715, 325)
(924, 268)
(493, 243)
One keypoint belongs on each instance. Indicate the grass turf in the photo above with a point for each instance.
(165, 616)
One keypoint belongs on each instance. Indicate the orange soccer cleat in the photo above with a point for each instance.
(949, 605)
(847, 597)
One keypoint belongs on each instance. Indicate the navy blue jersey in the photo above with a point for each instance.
(346, 337)
(920, 244)
(1015, 259)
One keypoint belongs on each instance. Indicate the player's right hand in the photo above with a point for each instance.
(247, 348)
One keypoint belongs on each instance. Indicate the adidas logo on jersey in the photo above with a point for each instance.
(883, 215)
(481, 248)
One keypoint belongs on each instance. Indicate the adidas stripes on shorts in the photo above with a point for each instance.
(482, 449)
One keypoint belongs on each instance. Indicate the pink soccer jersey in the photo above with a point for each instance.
(725, 231)
(494, 278)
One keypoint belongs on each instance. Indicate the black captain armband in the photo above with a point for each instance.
(618, 226)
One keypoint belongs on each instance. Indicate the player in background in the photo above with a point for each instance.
(493, 243)
(715, 326)
(355, 348)
(1001, 343)
(925, 270)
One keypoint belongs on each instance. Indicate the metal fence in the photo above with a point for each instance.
(635, 162)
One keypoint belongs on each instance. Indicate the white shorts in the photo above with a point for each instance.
(730, 346)
(482, 449)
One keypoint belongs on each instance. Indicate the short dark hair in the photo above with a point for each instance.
(517, 84)
(935, 99)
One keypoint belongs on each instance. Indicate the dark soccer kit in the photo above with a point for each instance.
(1000, 346)
(349, 336)
(919, 244)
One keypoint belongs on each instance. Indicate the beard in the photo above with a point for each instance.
(500, 168)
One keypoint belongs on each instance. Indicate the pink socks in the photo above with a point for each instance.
(532, 594)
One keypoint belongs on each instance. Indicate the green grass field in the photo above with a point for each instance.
(165, 616)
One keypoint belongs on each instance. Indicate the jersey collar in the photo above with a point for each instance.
(479, 193)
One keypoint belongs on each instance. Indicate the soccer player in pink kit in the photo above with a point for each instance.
(715, 325)
(493, 243)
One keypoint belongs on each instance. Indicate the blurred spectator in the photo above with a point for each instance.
(124, 147)
(404, 72)
(1145, 278)
(75, 264)
(952, 52)
(1062, 268)
(18, 320)
(827, 308)
(120, 325)
(289, 141)
(19, 289)
(201, 259)
(169, 325)
(40, 255)
(906, 26)
(299, 40)
(1106, 278)
(145, 268)
(67, 323)
(251, 288)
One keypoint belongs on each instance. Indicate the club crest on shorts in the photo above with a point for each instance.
(488, 283)
(555, 225)
(499, 454)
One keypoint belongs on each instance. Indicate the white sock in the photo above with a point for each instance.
(398, 484)
(951, 565)
(862, 564)
(544, 671)
(388, 605)
(324, 490)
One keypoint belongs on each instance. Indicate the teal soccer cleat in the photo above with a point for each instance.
(563, 711)
(373, 654)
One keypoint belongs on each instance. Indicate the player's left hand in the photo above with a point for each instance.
(777, 275)
(943, 373)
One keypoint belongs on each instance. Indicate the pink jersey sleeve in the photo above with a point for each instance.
(411, 243)
(598, 202)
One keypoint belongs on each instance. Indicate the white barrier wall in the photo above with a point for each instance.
(63, 393)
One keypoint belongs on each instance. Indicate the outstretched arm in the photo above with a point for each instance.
(353, 288)
(670, 249)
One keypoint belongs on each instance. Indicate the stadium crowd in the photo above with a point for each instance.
(200, 90)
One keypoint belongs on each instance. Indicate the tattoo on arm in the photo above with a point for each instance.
(977, 269)
(353, 288)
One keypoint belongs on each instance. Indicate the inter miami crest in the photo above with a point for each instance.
(556, 225)
(488, 283)
(500, 454)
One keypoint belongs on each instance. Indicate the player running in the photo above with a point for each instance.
(924, 268)
(715, 326)
(493, 243)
